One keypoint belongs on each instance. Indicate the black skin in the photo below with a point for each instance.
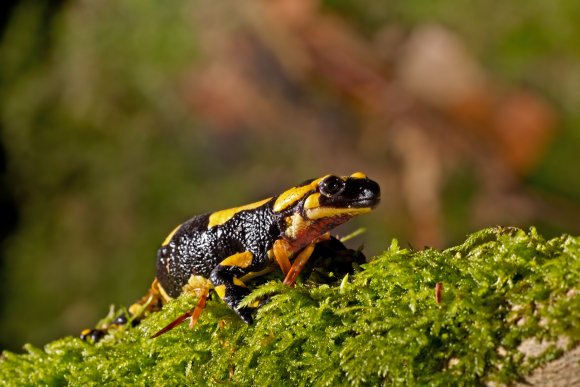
(195, 249)
(329, 263)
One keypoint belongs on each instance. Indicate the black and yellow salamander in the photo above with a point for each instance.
(220, 250)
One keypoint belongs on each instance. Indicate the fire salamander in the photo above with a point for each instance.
(223, 249)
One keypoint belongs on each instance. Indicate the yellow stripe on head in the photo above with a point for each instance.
(290, 197)
(329, 212)
(358, 175)
(313, 201)
(220, 217)
(293, 195)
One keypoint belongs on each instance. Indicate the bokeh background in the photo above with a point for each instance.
(121, 118)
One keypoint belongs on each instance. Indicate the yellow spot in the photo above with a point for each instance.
(312, 201)
(168, 239)
(221, 291)
(255, 304)
(329, 212)
(85, 332)
(293, 195)
(220, 217)
(136, 309)
(358, 175)
(242, 260)
(194, 283)
(296, 224)
(237, 282)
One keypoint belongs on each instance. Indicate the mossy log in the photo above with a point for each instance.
(501, 308)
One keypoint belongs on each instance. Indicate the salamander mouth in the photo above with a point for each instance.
(363, 203)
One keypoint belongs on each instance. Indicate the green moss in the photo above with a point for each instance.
(380, 325)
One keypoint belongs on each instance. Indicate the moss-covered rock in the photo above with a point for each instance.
(503, 289)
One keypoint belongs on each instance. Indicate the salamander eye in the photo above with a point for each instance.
(331, 186)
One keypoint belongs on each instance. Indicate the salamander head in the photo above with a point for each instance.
(342, 196)
(319, 205)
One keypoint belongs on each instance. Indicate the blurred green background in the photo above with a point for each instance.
(120, 119)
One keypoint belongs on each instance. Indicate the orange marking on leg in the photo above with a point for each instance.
(194, 313)
(282, 253)
(298, 265)
(202, 294)
(173, 324)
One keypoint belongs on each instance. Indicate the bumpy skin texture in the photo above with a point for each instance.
(216, 250)
(197, 250)
(298, 216)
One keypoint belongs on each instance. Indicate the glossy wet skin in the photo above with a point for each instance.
(218, 250)
(330, 202)
(227, 245)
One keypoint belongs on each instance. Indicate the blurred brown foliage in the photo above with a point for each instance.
(408, 105)
(121, 118)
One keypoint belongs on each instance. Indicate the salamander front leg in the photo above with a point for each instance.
(227, 284)
(301, 261)
(232, 291)
(149, 303)
(298, 265)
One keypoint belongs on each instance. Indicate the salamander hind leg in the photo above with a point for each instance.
(151, 302)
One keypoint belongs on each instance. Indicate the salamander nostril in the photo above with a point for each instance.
(369, 191)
